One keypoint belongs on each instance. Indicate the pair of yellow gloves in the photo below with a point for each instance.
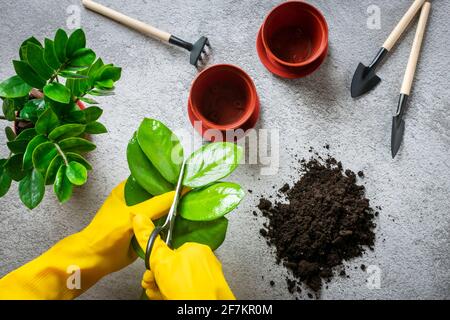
(103, 247)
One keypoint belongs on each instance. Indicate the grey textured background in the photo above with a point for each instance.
(412, 248)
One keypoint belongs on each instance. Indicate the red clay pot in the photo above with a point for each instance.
(294, 36)
(223, 98)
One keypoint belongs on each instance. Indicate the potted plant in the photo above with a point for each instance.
(155, 156)
(45, 101)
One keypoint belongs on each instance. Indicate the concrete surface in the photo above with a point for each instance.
(413, 241)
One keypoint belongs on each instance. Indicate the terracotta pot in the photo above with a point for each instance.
(223, 98)
(294, 37)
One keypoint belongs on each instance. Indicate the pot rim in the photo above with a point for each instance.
(323, 27)
(252, 99)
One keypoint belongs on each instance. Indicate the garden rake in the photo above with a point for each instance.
(198, 50)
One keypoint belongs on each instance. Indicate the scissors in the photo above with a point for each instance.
(170, 220)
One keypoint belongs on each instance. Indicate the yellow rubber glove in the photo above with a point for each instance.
(101, 248)
(191, 272)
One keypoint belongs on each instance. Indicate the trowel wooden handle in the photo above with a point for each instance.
(415, 52)
(127, 21)
(403, 24)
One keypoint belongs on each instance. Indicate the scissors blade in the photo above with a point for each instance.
(173, 209)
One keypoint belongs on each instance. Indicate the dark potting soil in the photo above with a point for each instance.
(325, 220)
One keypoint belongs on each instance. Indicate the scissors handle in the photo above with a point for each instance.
(150, 243)
(170, 220)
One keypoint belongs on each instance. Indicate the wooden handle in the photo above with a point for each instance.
(127, 21)
(415, 52)
(403, 24)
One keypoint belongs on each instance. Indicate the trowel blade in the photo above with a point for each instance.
(363, 80)
(398, 129)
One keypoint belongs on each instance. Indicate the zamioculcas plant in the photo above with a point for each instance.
(154, 157)
(44, 100)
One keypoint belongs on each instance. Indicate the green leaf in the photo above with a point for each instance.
(35, 57)
(94, 69)
(134, 193)
(76, 69)
(96, 128)
(14, 87)
(32, 189)
(5, 179)
(92, 114)
(43, 155)
(14, 167)
(82, 58)
(57, 92)
(9, 110)
(66, 131)
(109, 72)
(76, 173)
(24, 47)
(10, 134)
(71, 75)
(144, 172)
(76, 145)
(52, 170)
(71, 156)
(88, 100)
(47, 121)
(28, 156)
(60, 44)
(17, 146)
(27, 134)
(105, 84)
(210, 163)
(28, 75)
(162, 147)
(211, 202)
(60, 109)
(76, 116)
(74, 86)
(50, 55)
(33, 109)
(77, 40)
(100, 92)
(62, 187)
(210, 233)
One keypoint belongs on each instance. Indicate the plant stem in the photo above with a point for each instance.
(18, 119)
(61, 153)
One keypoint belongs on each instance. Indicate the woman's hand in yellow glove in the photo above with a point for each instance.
(189, 272)
(101, 248)
(110, 231)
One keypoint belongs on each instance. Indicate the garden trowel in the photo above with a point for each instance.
(365, 78)
(398, 124)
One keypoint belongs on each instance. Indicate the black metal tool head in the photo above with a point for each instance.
(199, 51)
(363, 80)
(398, 129)
(398, 125)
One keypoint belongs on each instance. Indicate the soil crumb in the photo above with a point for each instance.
(325, 220)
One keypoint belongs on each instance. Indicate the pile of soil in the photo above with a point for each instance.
(324, 220)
